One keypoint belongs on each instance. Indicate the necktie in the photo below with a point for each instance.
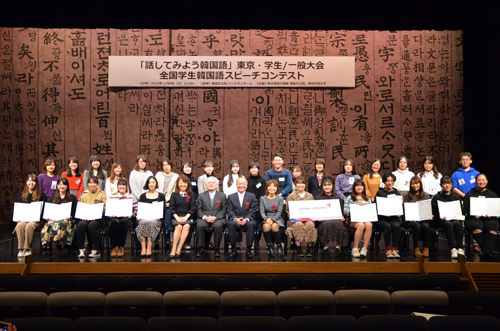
(241, 200)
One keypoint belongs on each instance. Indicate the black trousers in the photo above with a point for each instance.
(391, 226)
(454, 232)
(217, 226)
(418, 229)
(234, 228)
(118, 229)
(91, 228)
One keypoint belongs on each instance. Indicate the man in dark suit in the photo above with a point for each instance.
(212, 214)
(241, 208)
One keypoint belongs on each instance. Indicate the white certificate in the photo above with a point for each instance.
(485, 206)
(119, 207)
(366, 213)
(418, 211)
(452, 210)
(86, 211)
(390, 206)
(56, 212)
(150, 211)
(317, 210)
(27, 212)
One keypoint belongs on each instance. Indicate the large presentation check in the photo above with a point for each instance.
(315, 210)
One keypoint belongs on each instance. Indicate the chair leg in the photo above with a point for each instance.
(14, 236)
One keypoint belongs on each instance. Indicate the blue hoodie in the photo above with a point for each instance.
(464, 180)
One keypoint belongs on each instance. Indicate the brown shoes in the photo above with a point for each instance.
(416, 251)
(114, 251)
(426, 252)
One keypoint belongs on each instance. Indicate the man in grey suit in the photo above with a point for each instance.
(212, 214)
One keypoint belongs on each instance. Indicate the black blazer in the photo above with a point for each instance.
(205, 207)
(313, 186)
(247, 210)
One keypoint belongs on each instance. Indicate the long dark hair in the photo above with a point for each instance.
(100, 171)
(230, 179)
(434, 168)
(446, 180)
(77, 171)
(371, 167)
(37, 192)
(112, 174)
(57, 196)
(358, 182)
(322, 192)
(412, 192)
(185, 179)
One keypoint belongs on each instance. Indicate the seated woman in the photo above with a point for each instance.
(416, 193)
(483, 227)
(60, 231)
(332, 230)
(26, 230)
(452, 227)
(183, 209)
(87, 226)
(301, 231)
(358, 196)
(118, 226)
(149, 228)
(389, 224)
(271, 207)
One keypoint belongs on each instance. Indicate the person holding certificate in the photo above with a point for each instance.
(416, 193)
(358, 196)
(149, 228)
(26, 230)
(483, 227)
(452, 225)
(271, 207)
(118, 226)
(390, 224)
(183, 208)
(60, 231)
(332, 230)
(90, 227)
(301, 231)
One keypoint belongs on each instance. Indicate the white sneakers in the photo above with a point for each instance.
(20, 253)
(81, 253)
(95, 253)
(27, 252)
(454, 253)
(461, 251)
(355, 252)
(395, 254)
(363, 252)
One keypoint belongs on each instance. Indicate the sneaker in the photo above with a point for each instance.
(454, 253)
(363, 252)
(326, 252)
(21, 253)
(355, 252)
(27, 252)
(300, 252)
(388, 253)
(460, 251)
(120, 251)
(395, 254)
(95, 253)
(309, 251)
(114, 251)
(81, 253)
(187, 247)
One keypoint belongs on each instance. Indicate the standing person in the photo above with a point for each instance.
(315, 180)
(484, 228)
(390, 224)
(60, 231)
(26, 230)
(416, 194)
(431, 178)
(241, 208)
(358, 196)
(166, 184)
(48, 179)
(332, 230)
(187, 169)
(403, 176)
(271, 208)
(139, 176)
(112, 181)
(74, 177)
(87, 226)
(344, 182)
(464, 179)
(149, 228)
(296, 173)
(183, 210)
(282, 176)
(211, 207)
(118, 226)
(95, 169)
(373, 180)
(229, 181)
(301, 231)
(257, 186)
(208, 168)
(453, 227)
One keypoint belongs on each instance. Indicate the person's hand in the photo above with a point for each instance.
(444, 218)
(11, 327)
(364, 203)
(269, 221)
(478, 217)
(487, 216)
(17, 221)
(400, 215)
(98, 201)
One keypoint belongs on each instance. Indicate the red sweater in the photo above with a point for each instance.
(75, 183)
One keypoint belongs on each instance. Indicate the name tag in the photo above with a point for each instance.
(351, 180)
(473, 180)
(78, 182)
(381, 183)
(461, 181)
(391, 195)
(193, 183)
(482, 197)
(281, 179)
(54, 185)
(258, 185)
(407, 182)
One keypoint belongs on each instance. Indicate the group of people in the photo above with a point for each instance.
(254, 202)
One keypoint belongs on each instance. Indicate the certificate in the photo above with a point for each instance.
(418, 211)
(27, 212)
(451, 210)
(150, 211)
(390, 206)
(315, 210)
(56, 212)
(86, 211)
(365, 213)
(119, 207)
(485, 206)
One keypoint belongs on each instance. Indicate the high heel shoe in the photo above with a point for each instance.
(270, 250)
(280, 251)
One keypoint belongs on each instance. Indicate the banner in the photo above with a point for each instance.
(231, 71)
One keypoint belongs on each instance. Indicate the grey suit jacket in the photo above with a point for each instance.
(218, 209)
